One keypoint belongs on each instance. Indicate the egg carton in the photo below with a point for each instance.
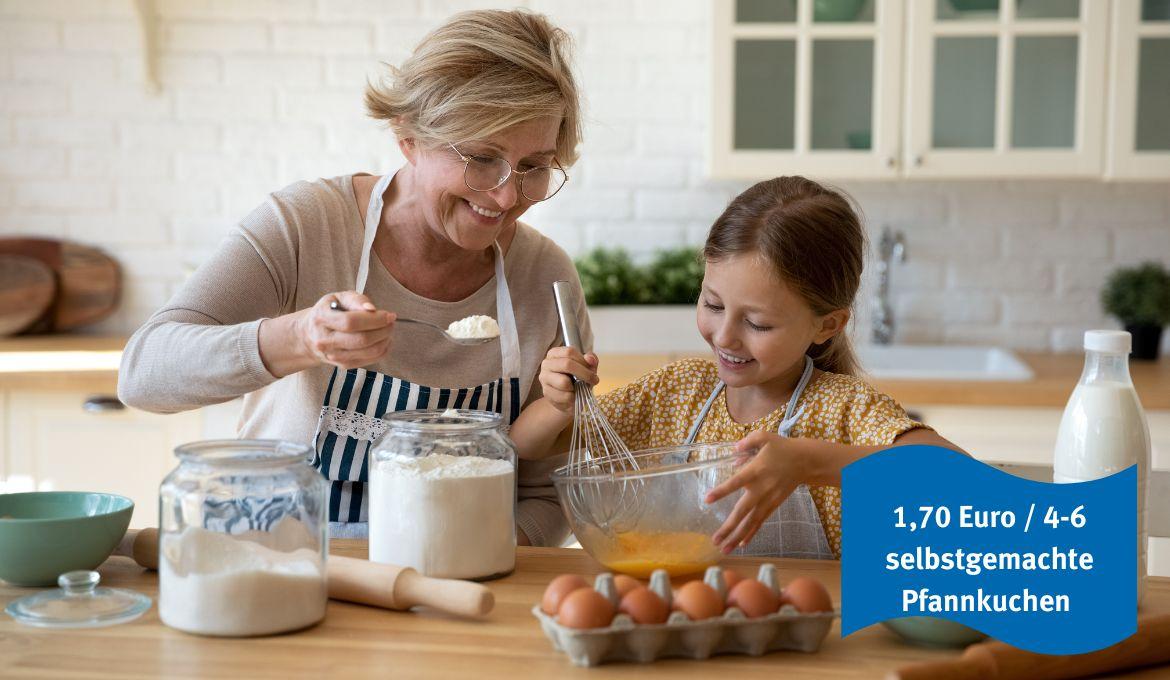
(731, 633)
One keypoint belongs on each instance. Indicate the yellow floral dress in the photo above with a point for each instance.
(659, 409)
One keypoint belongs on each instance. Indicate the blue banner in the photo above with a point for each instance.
(1050, 568)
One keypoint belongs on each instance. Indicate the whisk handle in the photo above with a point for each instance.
(567, 311)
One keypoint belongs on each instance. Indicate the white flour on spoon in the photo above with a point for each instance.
(474, 327)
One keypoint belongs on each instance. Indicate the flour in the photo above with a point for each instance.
(446, 516)
(478, 326)
(214, 584)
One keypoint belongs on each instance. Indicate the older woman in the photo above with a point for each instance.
(297, 309)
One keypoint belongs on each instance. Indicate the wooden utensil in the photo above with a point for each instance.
(88, 281)
(1150, 645)
(27, 287)
(360, 581)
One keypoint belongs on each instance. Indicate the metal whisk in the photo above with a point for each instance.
(597, 454)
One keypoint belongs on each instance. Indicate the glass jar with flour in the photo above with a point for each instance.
(242, 539)
(443, 494)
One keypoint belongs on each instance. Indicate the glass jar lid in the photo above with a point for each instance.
(245, 452)
(79, 603)
(451, 420)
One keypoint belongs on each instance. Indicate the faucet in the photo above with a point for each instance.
(891, 248)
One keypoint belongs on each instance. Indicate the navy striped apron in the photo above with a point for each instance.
(795, 529)
(356, 399)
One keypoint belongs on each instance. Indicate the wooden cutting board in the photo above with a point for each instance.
(88, 281)
(27, 289)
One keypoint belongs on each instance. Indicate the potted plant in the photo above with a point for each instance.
(642, 308)
(1140, 297)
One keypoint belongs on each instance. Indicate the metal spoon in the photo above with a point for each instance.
(467, 342)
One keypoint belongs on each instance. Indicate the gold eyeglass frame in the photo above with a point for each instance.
(511, 171)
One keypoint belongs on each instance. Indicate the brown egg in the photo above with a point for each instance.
(808, 595)
(753, 598)
(698, 601)
(625, 584)
(644, 606)
(730, 578)
(585, 608)
(557, 589)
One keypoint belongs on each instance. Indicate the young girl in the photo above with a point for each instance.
(783, 264)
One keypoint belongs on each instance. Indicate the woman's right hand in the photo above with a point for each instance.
(356, 335)
(557, 371)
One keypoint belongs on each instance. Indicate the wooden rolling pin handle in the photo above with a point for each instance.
(142, 545)
(384, 585)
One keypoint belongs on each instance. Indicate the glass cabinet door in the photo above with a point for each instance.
(1005, 88)
(807, 86)
(1139, 143)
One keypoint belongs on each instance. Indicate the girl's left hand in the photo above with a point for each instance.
(767, 479)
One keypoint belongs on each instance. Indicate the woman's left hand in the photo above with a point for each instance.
(767, 479)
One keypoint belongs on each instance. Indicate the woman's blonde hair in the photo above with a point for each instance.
(813, 237)
(478, 74)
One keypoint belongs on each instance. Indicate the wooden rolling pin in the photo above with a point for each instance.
(1150, 645)
(361, 581)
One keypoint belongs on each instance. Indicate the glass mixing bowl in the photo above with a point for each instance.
(654, 517)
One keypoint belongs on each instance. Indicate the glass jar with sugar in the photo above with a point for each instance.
(443, 494)
(242, 539)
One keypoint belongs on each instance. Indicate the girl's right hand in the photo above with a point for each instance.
(557, 371)
(356, 335)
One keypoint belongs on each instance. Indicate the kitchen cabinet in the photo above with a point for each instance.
(940, 88)
(1139, 98)
(53, 442)
(1007, 88)
(806, 85)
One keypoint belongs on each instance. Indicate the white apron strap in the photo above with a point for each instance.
(509, 335)
(373, 219)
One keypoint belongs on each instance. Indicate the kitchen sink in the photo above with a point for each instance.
(942, 362)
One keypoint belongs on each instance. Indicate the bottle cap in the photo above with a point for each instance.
(1113, 342)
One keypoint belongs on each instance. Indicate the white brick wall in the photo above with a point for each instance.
(259, 93)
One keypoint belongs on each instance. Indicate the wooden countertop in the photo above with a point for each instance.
(358, 641)
(93, 368)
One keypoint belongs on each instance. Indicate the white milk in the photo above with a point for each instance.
(1104, 430)
(446, 516)
(213, 584)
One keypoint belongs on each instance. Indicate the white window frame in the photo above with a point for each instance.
(1124, 161)
(1085, 159)
(879, 162)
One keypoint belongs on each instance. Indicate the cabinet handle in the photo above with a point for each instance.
(918, 161)
(890, 162)
(102, 403)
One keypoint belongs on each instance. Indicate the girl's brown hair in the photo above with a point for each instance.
(814, 238)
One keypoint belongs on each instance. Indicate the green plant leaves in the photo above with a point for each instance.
(1139, 295)
(610, 277)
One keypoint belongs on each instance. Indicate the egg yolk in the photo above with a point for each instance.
(679, 553)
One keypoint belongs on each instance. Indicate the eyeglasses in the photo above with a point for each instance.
(485, 173)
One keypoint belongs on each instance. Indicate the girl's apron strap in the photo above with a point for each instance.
(791, 413)
(698, 424)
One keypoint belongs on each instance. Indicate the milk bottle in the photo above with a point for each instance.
(1104, 429)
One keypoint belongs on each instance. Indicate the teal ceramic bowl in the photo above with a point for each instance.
(47, 533)
(929, 631)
